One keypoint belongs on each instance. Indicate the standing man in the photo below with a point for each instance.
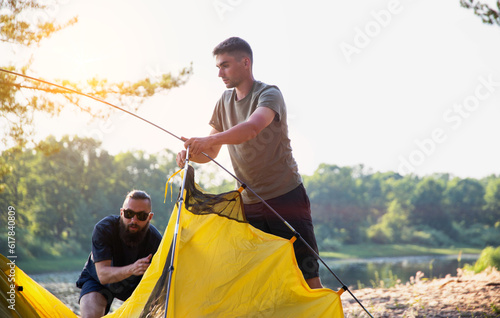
(251, 119)
(122, 248)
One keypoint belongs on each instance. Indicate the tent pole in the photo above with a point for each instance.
(180, 203)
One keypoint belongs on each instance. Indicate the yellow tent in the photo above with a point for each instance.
(22, 297)
(224, 267)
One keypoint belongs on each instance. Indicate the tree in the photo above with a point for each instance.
(147, 172)
(427, 204)
(63, 187)
(336, 200)
(401, 188)
(21, 99)
(492, 198)
(465, 201)
(376, 189)
(483, 10)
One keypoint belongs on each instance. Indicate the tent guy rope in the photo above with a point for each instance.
(295, 233)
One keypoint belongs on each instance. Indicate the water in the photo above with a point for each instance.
(369, 272)
(354, 273)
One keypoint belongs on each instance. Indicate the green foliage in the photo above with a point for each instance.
(27, 31)
(340, 196)
(465, 199)
(478, 234)
(428, 207)
(353, 205)
(495, 308)
(492, 199)
(428, 236)
(21, 98)
(385, 280)
(392, 225)
(63, 187)
(489, 257)
(485, 11)
(328, 238)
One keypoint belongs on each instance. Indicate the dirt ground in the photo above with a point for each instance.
(466, 295)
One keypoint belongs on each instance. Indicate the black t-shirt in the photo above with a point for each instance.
(107, 245)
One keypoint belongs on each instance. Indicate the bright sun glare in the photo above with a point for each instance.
(83, 51)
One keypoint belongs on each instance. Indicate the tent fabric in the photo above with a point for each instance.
(224, 267)
(21, 296)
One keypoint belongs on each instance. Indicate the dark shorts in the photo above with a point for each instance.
(295, 208)
(91, 285)
(88, 284)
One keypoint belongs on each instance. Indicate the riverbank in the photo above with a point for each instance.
(371, 250)
(464, 295)
(62, 285)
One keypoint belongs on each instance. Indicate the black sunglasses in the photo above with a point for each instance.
(141, 216)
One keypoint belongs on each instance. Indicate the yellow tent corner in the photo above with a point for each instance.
(22, 297)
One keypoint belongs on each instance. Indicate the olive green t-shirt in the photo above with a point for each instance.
(265, 163)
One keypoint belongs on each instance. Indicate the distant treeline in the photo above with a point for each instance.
(61, 188)
(353, 205)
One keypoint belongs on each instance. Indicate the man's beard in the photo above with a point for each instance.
(130, 238)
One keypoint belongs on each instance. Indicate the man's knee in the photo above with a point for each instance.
(93, 305)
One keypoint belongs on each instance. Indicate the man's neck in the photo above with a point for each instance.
(244, 89)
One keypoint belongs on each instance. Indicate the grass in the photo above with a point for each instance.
(56, 264)
(394, 250)
(495, 308)
(490, 257)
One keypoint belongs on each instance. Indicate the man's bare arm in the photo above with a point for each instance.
(112, 274)
(260, 119)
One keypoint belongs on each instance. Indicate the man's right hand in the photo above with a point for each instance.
(195, 151)
(141, 265)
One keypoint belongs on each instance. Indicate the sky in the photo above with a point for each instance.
(406, 86)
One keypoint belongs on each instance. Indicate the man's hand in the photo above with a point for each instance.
(197, 145)
(109, 274)
(140, 266)
(181, 158)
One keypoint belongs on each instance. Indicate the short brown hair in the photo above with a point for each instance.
(138, 195)
(234, 45)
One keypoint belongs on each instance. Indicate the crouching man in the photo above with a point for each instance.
(122, 248)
